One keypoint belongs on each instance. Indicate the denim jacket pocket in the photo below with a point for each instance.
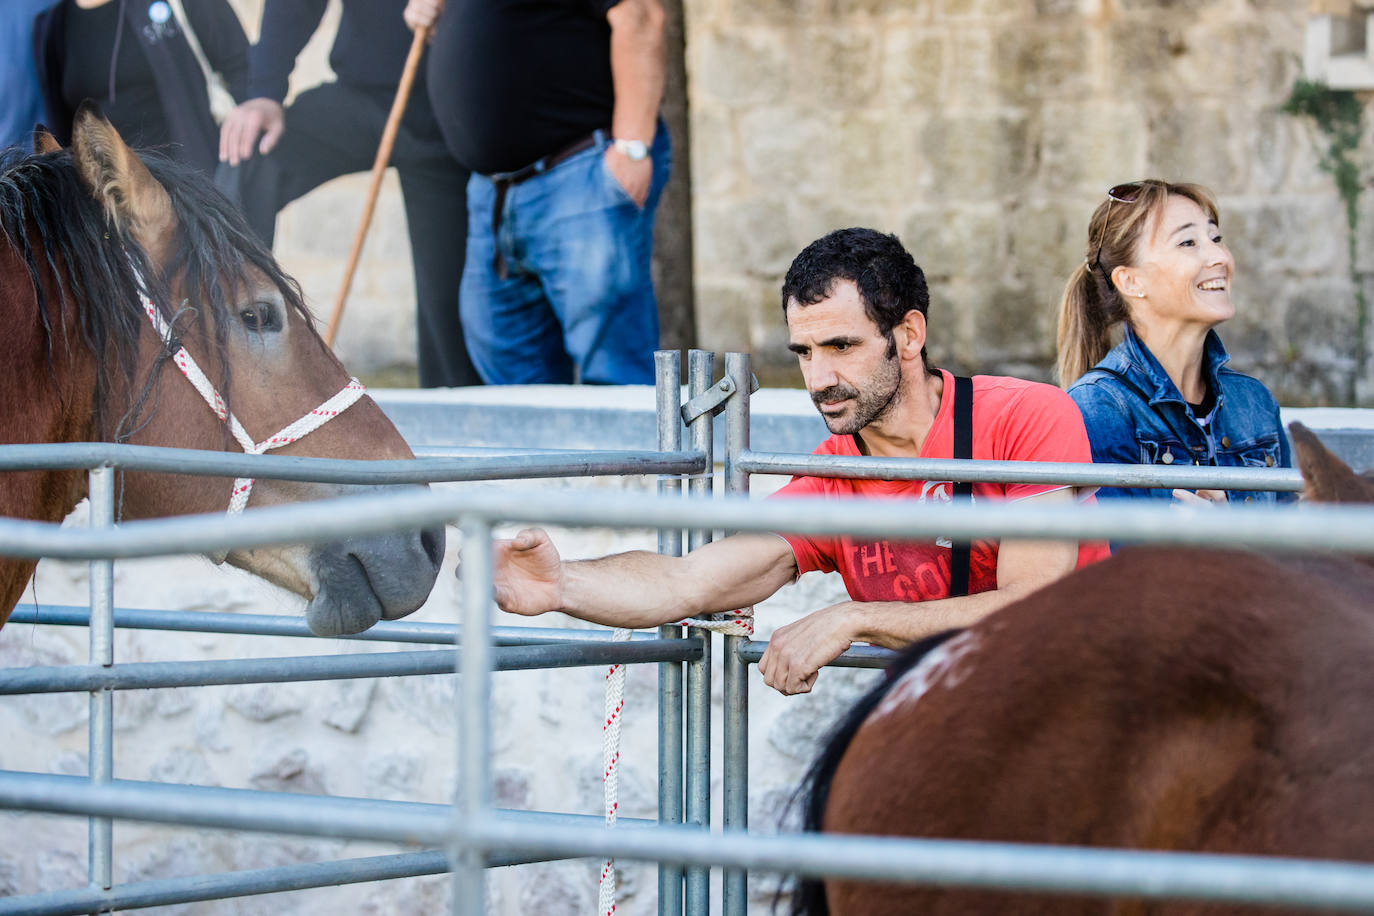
(1259, 455)
(1162, 451)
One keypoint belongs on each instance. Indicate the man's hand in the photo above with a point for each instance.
(241, 129)
(634, 175)
(797, 652)
(528, 573)
(422, 14)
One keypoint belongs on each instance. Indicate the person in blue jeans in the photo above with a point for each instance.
(553, 104)
(1156, 264)
(19, 83)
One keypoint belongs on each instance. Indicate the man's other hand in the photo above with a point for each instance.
(256, 118)
(797, 652)
(634, 175)
(527, 573)
(422, 14)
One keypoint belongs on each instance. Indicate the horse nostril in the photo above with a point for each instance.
(432, 541)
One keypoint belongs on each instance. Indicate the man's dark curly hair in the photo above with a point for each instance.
(889, 282)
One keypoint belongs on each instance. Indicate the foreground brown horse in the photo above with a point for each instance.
(86, 231)
(1168, 699)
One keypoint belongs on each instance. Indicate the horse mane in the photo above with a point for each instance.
(808, 899)
(63, 236)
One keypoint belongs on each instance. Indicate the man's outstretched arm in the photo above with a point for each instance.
(798, 651)
(639, 588)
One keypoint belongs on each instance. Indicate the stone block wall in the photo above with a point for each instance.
(984, 132)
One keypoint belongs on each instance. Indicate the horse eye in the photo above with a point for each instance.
(260, 316)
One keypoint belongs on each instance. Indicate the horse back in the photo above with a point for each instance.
(1167, 699)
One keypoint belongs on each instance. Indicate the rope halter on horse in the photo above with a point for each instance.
(312, 421)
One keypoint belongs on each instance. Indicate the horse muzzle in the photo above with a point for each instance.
(363, 580)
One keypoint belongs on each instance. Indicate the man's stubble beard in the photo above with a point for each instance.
(881, 394)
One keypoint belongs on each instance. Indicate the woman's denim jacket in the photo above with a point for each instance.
(1245, 430)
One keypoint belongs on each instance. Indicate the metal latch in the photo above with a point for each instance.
(713, 399)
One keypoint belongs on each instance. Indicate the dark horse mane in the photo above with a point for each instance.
(808, 898)
(60, 231)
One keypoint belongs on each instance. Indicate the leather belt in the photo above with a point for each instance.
(505, 180)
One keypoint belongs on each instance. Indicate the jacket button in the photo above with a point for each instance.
(1168, 458)
(1269, 461)
(1225, 441)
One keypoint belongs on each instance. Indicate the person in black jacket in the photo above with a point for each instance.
(132, 57)
(281, 152)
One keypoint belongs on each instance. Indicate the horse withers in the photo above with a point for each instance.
(1166, 699)
(123, 279)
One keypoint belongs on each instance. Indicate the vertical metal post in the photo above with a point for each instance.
(474, 719)
(101, 748)
(668, 368)
(700, 367)
(735, 809)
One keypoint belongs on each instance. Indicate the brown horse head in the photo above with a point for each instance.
(132, 221)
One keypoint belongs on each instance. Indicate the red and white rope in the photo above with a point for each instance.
(610, 767)
(735, 623)
(730, 623)
(312, 421)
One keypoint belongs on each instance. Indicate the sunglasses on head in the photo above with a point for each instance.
(1126, 193)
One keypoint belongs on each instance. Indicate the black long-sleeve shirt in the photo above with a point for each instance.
(172, 104)
(369, 49)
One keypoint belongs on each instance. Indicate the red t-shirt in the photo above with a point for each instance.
(1013, 420)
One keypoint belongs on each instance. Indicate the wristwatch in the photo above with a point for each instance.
(633, 150)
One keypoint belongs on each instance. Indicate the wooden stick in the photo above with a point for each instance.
(393, 124)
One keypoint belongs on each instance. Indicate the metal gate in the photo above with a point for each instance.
(472, 836)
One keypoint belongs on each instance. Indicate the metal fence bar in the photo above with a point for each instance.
(750, 651)
(1253, 880)
(735, 700)
(280, 670)
(198, 462)
(668, 403)
(1049, 472)
(100, 489)
(697, 902)
(444, 634)
(1312, 527)
(573, 463)
(964, 863)
(474, 720)
(340, 817)
(223, 886)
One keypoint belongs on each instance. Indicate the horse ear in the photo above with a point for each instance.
(43, 141)
(1328, 478)
(119, 181)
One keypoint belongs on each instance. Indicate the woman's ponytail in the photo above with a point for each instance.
(1085, 324)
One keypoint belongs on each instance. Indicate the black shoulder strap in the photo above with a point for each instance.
(963, 448)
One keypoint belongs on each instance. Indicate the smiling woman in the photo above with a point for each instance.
(1156, 264)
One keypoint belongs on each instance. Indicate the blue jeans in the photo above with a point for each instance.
(577, 302)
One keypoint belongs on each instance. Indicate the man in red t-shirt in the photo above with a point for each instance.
(855, 304)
